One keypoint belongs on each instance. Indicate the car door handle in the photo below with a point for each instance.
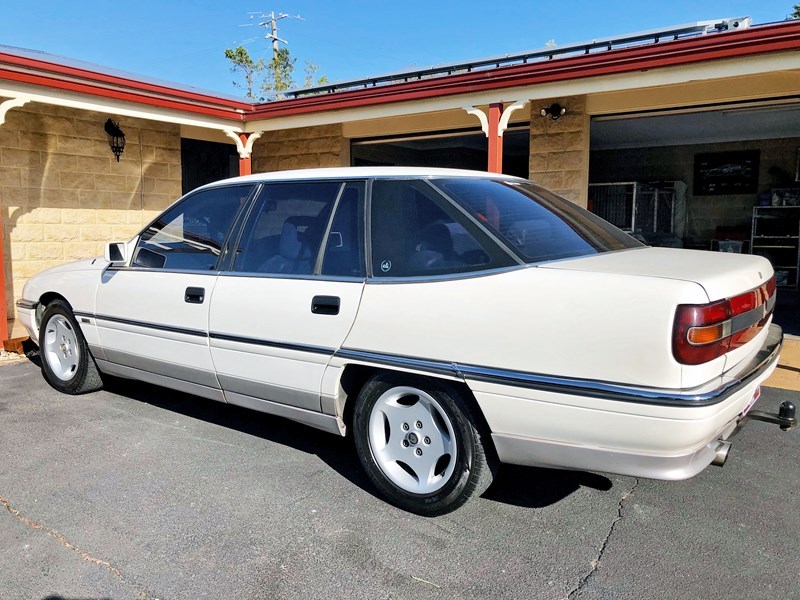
(325, 305)
(194, 295)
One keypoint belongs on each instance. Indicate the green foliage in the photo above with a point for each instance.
(796, 13)
(267, 80)
(250, 70)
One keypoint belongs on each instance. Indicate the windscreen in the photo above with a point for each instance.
(534, 222)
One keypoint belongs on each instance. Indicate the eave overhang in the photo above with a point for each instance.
(52, 82)
(757, 40)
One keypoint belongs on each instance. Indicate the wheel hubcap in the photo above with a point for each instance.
(61, 348)
(412, 440)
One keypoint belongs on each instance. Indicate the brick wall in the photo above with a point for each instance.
(63, 194)
(301, 148)
(559, 154)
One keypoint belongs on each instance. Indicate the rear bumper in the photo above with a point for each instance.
(655, 440)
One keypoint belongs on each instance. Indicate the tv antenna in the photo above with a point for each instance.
(269, 21)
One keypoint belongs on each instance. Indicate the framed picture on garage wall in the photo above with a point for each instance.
(718, 173)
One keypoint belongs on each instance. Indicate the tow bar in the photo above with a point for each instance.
(785, 418)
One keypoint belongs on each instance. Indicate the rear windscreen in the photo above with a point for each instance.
(534, 222)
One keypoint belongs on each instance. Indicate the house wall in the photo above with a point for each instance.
(301, 148)
(777, 165)
(63, 195)
(559, 150)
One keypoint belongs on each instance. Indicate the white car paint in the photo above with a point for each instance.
(603, 320)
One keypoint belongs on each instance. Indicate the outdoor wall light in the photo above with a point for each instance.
(554, 110)
(116, 137)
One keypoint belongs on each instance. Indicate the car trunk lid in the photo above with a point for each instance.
(721, 274)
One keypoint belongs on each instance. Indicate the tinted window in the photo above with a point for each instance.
(416, 232)
(284, 233)
(344, 256)
(538, 224)
(190, 234)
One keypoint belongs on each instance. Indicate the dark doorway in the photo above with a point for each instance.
(457, 150)
(203, 162)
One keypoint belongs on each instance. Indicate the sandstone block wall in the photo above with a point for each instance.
(559, 150)
(63, 194)
(301, 148)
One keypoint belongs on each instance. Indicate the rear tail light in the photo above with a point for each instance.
(703, 332)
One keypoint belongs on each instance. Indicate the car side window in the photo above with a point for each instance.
(344, 254)
(417, 232)
(284, 232)
(190, 234)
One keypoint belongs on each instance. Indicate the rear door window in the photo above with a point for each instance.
(291, 222)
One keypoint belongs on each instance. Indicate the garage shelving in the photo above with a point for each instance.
(776, 236)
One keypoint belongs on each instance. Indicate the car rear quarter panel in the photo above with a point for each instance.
(606, 327)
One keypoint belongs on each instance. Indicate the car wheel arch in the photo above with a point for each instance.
(355, 376)
(45, 300)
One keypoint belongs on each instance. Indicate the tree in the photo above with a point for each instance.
(267, 80)
(796, 13)
(252, 71)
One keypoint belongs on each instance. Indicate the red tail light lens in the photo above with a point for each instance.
(703, 332)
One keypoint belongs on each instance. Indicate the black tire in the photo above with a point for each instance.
(80, 374)
(470, 473)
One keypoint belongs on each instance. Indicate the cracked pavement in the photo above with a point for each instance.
(143, 493)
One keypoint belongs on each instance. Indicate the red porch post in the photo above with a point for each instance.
(245, 164)
(3, 311)
(495, 138)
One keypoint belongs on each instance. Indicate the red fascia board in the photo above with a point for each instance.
(758, 40)
(93, 77)
(116, 94)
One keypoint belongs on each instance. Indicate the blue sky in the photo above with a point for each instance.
(184, 41)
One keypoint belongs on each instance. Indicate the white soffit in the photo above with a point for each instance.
(709, 70)
(113, 107)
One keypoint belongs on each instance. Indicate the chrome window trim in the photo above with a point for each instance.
(339, 278)
(446, 276)
(112, 267)
(323, 245)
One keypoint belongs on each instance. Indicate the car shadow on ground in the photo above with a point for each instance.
(514, 485)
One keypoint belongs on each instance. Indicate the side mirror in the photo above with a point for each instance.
(115, 252)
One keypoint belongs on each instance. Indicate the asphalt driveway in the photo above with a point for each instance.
(141, 492)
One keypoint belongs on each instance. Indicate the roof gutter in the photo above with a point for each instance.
(756, 40)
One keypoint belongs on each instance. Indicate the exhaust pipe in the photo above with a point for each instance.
(721, 453)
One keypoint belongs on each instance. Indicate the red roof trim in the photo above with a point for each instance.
(756, 40)
(93, 77)
(117, 94)
(753, 41)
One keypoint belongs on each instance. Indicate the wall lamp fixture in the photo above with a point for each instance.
(555, 110)
(116, 137)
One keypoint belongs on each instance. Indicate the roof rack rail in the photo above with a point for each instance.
(548, 53)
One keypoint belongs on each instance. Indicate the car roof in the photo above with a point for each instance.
(358, 172)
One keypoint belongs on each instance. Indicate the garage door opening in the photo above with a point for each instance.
(723, 178)
(466, 149)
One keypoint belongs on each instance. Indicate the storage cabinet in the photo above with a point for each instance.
(776, 236)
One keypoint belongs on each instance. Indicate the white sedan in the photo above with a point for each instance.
(448, 320)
